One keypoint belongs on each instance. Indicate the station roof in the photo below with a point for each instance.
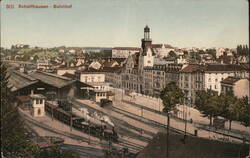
(52, 79)
(20, 80)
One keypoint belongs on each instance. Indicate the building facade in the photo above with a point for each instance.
(238, 86)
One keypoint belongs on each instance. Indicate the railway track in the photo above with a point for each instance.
(133, 148)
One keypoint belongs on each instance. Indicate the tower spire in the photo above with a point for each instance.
(146, 41)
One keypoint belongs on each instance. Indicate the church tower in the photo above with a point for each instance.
(147, 53)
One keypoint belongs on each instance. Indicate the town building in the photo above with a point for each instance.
(215, 73)
(194, 77)
(191, 79)
(162, 50)
(123, 52)
(44, 65)
(96, 78)
(238, 86)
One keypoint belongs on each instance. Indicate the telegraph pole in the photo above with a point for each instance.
(71, 122)
(141, 111)
(168, 122)
(52, 116)
(89, 132)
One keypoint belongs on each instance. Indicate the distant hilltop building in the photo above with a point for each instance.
(162, 50)
(18, 46)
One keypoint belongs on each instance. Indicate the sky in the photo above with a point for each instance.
(113, 23)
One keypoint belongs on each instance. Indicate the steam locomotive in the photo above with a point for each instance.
(82, 121)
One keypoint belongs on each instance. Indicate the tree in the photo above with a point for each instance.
(56, 152)
(225, 105)
(244, 118)
(171, 96)
(242, 50)
(172, 54)
(228, 107)
(35, 58)
(207, 103)
(212, 52)
(26, 57)
(194, 57)
(14, 142)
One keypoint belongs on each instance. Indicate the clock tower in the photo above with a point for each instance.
(147, 53)
(146, 41)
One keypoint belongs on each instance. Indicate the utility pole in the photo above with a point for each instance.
(89, 132)
(141, 111)
(122, 94)
(109, 144)
(52, 116)
(71, 122)
(168, 122)
(159, 104)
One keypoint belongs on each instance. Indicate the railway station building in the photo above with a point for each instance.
(52, 86)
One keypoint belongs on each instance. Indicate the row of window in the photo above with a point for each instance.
(39, 101)
(215, 87)
(101, 94)
(216, 80)
(226, 88)
(92, 79)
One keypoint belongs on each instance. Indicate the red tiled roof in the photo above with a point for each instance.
(222, 67)
(212, 68)
(193, 68)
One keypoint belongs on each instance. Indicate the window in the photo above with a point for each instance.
(37, 101)
(209, 80)
(210, 87)
(216, 80)
(215, 87)
(41, 101)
